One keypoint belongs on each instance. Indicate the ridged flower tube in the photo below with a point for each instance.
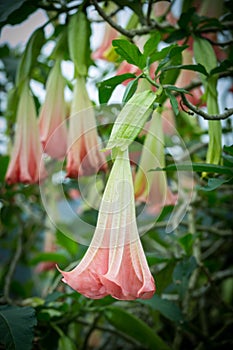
(151, 186)
(115, 263)
(83, 156)
(26, 164)
(53, 131)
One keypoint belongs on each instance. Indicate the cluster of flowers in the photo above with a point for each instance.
(115, 263)
(49, 133)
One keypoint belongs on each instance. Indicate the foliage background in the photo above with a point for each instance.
(192, 265)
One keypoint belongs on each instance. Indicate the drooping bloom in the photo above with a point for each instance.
(151, 186)
(84, 156)
(114, 263)
(105, 51)
(26, 164)
(52, 124)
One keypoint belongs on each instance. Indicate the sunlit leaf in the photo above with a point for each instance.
(106, 87)
(151, 45)
(129, 52)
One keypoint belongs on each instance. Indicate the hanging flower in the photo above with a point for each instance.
(114, 263)
(26, 163)
(151, 186)
(52, 125)
(84, 156)
(105, 51)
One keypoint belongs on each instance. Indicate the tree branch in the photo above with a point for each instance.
(129, 33)
(204, 115)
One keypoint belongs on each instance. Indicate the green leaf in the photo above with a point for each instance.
(135, 328)
(228, 149)
(107, 87)
(135, 6)
(52, 257)
(130, 90)
(66, 242)
(15, 11)
(173, 58)
(166, 307)
(197, 167)
(176, 35)
(186, 242)
(193, 67)
(222, 67)
(173, 101)
(129, 52)
(7, 7)
(65, 343)
(150, 47)
(157, 56)
(212, 184)
(185, 18)
(182, 273)
(17, 327)
(210, 22)
(29, 58)
(53, 297)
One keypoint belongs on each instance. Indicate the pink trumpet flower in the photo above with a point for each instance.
(115, 263)
(151, 186)
(84, 156)
(26, 164)
(53, 132)
(105, 51)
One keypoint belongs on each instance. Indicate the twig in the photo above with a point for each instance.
(129, 33)
(112, 14)
(204, 115)
(110, 21)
